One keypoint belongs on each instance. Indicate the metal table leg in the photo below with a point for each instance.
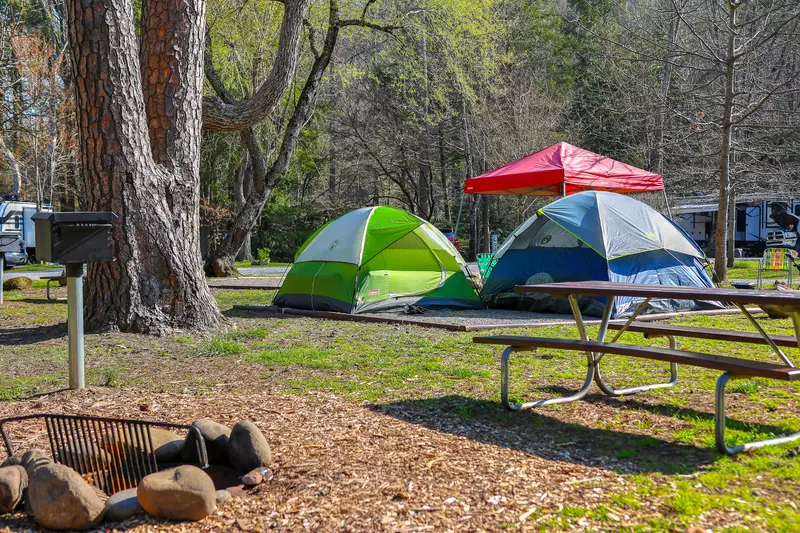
(673, 379)
(719, 423)
(766, 336)
(587, 384)
(607, 389)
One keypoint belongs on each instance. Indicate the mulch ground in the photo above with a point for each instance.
(346, 467)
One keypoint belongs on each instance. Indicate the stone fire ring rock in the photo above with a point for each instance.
(182, 493)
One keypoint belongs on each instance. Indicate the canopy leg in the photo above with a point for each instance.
(458, 217)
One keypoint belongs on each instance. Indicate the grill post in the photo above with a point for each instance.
(74, 273)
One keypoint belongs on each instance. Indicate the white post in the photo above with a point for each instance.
(74, 272)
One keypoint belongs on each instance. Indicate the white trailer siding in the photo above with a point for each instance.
(752, 224)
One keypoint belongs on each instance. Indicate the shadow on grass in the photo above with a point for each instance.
(31, 335)
(536, 433)
(43, 301)
(685, 413)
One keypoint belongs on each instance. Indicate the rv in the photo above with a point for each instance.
(755, 228)
(17, 234)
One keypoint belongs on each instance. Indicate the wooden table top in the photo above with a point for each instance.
(787, 299)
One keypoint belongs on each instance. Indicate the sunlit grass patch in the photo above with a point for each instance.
(219, 345)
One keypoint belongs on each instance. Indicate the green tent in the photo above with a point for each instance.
(376, 258)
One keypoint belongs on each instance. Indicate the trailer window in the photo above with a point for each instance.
(797, 210)
(16, 221)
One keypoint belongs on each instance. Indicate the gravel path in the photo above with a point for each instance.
(245, 283)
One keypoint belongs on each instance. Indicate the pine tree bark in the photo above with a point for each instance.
(139, 144)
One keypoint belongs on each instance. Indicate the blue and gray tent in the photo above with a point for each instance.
(595, 236)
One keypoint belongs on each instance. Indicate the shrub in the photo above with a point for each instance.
(263, 255)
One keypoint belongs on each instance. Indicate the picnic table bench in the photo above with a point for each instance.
(731, 367)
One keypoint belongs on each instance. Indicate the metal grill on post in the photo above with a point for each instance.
(113, 454)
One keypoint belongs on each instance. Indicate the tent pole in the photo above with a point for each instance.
(563, 189)
(666, 200)
(458, 218)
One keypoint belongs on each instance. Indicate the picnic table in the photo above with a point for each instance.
(731, 367)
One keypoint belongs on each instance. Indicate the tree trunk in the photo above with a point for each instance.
(139, 145)
(657, 154)
(447, 212)
(264, 180)
(236, 116)
(243, 187)
(720, 254)
(731, 229)
(11, 161)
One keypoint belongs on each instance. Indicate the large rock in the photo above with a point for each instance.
(123, 505)
(32, 459)
(13, 482)
(12, 460)
(84, 457)
(166, 445)
(61, 499)
(19, 283)
(248, 447)
(216, 437)
(182, 493)
(223, 476)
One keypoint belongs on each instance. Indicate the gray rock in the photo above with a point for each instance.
(123, 505)
(33, 459)
(222, 496)
(248, 447)
(84, 457)
(182, 493)
(166, 444)
(223, 476)
(61, 499)
(216, 437)
(13, 482)
(13, 460)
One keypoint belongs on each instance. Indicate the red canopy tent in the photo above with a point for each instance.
(560, 170)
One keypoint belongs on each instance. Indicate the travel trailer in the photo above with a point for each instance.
(755, 227)
(17, 234)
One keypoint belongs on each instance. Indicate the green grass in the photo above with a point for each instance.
(664, 437)
(36, 268)
(748, 270)
(219, 346)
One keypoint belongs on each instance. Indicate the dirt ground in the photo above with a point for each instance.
(408, 444)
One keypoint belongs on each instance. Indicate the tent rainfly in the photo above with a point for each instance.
(595, 236)
(376, 258)
(561, 170)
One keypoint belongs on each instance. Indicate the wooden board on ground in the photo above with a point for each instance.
(471, 320)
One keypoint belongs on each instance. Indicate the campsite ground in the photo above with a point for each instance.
(390, 428)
